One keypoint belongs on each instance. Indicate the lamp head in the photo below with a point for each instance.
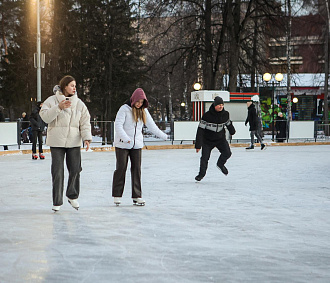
(279, 77)
(267, 77)
(197, 86)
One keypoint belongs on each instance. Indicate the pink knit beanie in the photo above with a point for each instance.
(137, 95)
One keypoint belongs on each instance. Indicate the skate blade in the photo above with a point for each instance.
(76, 208)
(139, 204)
(117, 204)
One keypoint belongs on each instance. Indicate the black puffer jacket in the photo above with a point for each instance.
(211, 137)
(252, 118)
(37, 124)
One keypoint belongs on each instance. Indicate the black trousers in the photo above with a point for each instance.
(119, 175)
(225, 154)
(73, 163)
(36, 135)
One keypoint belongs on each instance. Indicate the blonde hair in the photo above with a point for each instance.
(139, 114)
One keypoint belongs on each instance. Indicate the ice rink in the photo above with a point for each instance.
(267, 221)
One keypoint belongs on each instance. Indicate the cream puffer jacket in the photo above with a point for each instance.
(127, 130)
(68, 127)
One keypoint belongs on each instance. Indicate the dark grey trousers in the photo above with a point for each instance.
(119, 175)
(73, 163)
(255, 133)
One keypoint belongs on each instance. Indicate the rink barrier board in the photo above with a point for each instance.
(8, 133)
(164, 147)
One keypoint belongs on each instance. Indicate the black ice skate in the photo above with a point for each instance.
(263, 146)
(250, 147)
(223, 169)
(199, 177)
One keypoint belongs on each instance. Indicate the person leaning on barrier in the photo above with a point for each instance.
(211, 133)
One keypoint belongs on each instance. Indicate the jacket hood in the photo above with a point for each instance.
(137, 95)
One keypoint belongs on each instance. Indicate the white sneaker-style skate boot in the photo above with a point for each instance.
(56, 208)
(138, 201)
(117, 200)
(74, 203)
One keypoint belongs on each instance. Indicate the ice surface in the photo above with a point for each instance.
(267, 221)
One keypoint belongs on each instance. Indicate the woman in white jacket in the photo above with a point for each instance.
(128, 143)
(68, 122)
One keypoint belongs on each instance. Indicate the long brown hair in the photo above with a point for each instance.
(139, 114)
(65, 81)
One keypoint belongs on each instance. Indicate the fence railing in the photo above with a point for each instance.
(103, 132)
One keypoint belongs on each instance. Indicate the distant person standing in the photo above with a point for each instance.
(252, 119)
(69, 125)
(38, 126)
(25, 121)
(2, 119)
(280, 127)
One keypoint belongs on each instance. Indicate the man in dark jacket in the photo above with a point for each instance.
(280, 127)
(211, 134)
(2, 119)
(37, 125)
(252, 119)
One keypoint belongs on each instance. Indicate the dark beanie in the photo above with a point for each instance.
(217, 100)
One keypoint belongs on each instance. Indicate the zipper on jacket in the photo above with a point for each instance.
(134, 135)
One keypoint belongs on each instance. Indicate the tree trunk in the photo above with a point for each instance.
(208, 47)
(326, 70)
(288, 50)
(4, 40)
(234, 27)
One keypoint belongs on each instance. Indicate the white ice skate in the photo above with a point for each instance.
(56, 208)
(138, 201)
(117, 201)
(74, 203)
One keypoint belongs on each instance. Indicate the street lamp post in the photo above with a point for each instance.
(38, 54)
(39, 58)
(278, 78)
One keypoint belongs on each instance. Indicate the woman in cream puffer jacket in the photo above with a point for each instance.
(128, 144)
(69, 125)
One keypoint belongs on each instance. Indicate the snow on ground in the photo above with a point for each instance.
(267, 221)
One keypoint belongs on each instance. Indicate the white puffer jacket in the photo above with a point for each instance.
(127, 130)
(68, 127)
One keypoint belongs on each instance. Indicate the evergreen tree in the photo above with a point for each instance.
(18, 79)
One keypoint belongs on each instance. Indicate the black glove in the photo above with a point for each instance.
(231, 128)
